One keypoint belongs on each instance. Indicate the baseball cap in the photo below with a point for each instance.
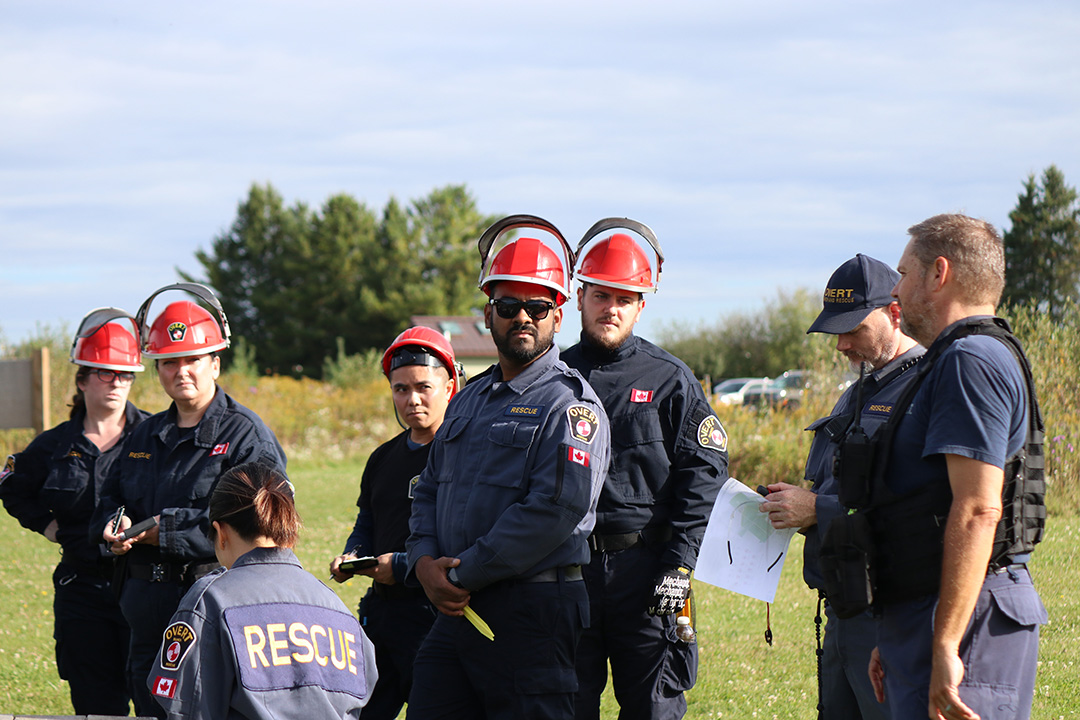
(857, 288)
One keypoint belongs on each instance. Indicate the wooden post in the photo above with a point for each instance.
(40, 396)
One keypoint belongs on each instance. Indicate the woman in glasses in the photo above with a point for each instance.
(51, 488)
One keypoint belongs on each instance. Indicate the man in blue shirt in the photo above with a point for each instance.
(503, 510)
(859, 310)
(959, 627)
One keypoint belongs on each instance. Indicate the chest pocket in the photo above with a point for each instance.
(639, 428)
(455, 451)
(506, 453)
(822, 451)
(639, 461)
(67, 480)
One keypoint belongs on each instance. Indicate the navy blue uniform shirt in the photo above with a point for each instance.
(669, 450)
(59, 476)
(513, 476)
(171, 471)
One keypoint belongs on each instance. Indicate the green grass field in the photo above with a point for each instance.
(739, 677)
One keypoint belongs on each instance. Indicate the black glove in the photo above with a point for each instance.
(670, 592)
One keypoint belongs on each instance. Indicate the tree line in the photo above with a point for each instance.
(301, 285)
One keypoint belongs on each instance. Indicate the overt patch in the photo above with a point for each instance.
(711, 434)
(583, 423)
(176, 642)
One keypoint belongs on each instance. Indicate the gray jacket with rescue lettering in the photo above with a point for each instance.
(264, 639)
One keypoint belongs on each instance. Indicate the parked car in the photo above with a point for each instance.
(732, 391)
(785, 391)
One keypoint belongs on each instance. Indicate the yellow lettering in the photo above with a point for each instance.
(294, 634)
(318, 630)
(339, 664)
(276, 644)
(350, 651)
(251, 631)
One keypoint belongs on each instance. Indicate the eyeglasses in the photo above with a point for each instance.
(510, 307)
(106, 376)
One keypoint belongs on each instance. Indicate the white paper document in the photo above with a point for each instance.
(741, 551)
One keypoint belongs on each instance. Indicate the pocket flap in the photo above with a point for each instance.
(1021, 603)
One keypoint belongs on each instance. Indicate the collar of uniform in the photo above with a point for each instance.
(530, 374)
(207, 430)
(963, 321)
(597, 355)
(917, 351)
(264, 555)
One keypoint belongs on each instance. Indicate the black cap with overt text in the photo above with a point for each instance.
(857, 288)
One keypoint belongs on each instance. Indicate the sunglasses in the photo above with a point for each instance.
(106, 376)
(508, 308)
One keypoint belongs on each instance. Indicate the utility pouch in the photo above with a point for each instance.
(847, 562)
(852, 466)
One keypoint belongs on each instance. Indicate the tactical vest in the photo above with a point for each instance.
(909, 530)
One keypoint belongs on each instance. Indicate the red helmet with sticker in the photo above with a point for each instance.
(104, 342)
(507, 255)
(421, 345)
(619, 260)
(183, 329)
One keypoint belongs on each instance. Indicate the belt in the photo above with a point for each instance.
(624, 541)
(570, 573)
(168, 572)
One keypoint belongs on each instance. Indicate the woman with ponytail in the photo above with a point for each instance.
(261, 637)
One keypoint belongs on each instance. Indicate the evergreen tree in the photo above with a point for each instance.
(293, 281)
(1042, 248)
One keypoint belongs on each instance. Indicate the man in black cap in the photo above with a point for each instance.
(859, 310)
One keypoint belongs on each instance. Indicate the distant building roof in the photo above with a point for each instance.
(467, 333)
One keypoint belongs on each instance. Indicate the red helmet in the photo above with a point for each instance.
(182, 329)
(524, 258)
(103, 343)
(434, 348)
(619, 260)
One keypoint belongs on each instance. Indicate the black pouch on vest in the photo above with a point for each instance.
(846, 557)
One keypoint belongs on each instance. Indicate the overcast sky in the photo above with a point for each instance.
(764, 142)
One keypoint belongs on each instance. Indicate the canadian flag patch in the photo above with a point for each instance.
(640, 396)
(219, 449)
(579, 456)
(164, 687)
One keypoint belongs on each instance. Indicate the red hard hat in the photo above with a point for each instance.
(528, 260)
(433, 343)
(184, 328)
(617, 262)
(102, 343)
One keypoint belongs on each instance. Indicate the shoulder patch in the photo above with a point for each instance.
(583, 423)
(533, 411)
(412, 485)
(711, 434)
(175, 644)
(9, 467)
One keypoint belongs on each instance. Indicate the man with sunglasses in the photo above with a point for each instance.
(669, 461)
(503, 510)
